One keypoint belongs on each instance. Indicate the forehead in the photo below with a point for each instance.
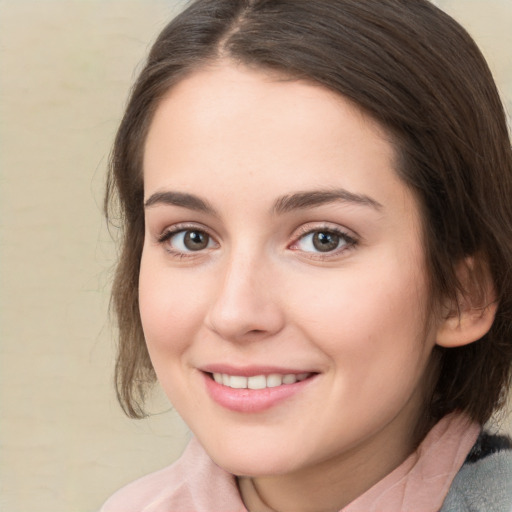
(265, 133)
(228, 91)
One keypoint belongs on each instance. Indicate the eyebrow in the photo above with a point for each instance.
(310, 199)
(182, 199)
(297, 201)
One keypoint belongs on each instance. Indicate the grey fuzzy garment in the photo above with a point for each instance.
(484, 483)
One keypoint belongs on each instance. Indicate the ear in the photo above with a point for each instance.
(472, 315)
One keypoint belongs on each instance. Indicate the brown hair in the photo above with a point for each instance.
(413, 69)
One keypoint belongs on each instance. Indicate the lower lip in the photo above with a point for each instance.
(252, 400)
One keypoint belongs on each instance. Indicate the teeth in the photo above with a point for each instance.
(259, 381)
(274, 380)
(289, 379)
(237, 382)
(256, 382)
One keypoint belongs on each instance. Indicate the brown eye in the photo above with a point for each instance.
(324, 241)
(195, 240)
(187, 240)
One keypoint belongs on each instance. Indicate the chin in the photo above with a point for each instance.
(253, 460)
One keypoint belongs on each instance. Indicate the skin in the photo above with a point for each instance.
(260, 293)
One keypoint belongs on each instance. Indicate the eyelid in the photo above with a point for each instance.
(169, 231)
(173, 230)
(311, 227)
(351, 238)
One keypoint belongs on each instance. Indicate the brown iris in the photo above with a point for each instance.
(196, 240)
(324, 241)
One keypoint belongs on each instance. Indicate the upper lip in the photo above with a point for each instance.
(252, 370)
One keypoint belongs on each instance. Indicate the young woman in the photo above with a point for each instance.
(317, 259)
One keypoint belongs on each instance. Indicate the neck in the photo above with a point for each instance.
(332, 484)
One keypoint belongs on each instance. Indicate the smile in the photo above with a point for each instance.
(256, 392)
(258, 381)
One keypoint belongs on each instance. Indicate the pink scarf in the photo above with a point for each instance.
(419, 484)
(422, 481)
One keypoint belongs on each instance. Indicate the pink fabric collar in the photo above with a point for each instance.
(419, 484)
(422, 481)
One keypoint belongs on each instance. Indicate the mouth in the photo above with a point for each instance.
(262, 381)
(255, 391)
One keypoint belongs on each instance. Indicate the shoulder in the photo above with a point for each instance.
(193, 482)
(484, 483)
(143, 494)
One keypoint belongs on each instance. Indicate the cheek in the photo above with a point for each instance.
(373, 332)
(170, 308)
(377, 314)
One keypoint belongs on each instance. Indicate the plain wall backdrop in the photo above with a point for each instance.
(65, 71)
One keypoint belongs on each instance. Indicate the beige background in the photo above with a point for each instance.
(65, 69)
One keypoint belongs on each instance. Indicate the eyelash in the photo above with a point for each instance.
(350, 240)
(175, 230)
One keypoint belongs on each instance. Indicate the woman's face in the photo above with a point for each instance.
(282, 258)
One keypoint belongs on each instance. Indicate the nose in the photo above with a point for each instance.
(246, 305)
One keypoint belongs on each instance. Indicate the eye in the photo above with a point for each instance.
(187, 240)
(323, 241)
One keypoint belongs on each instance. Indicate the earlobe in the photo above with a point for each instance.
(473, 315)
(470, 325)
